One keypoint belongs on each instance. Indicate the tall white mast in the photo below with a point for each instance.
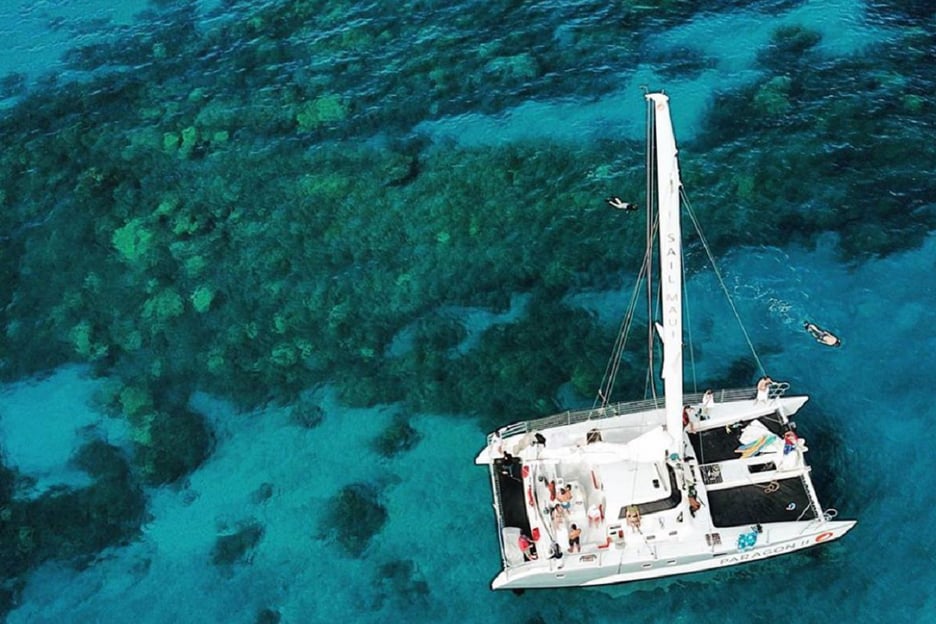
(670, 328)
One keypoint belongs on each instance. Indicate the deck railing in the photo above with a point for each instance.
(498, 516)
(630, 407)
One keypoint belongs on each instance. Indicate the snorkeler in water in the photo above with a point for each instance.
(620, 204)
(822, 336)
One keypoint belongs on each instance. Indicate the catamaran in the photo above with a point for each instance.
(651, 488)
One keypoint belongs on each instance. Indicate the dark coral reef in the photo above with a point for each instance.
(255, 215)
(70, 524)
(353, 517)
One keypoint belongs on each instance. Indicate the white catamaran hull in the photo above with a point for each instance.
(611, 566)
(674, 538)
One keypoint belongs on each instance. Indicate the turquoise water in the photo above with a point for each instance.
(271, 270)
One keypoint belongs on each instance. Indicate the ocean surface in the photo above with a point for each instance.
(269, 271)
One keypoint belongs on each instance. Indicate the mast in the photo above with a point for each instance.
(670, 328)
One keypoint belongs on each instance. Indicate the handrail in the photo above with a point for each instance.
(496, 492)
(629, 407)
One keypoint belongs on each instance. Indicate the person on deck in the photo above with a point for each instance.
(575, 539)
(551, 486)
(763, 389)
(632, 516)
(565, 497)
(558, 515)
(708, 400)
(594, 516)
(555, 551)
(689, 415)
(526, 547)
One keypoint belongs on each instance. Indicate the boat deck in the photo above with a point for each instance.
(721, 444)
(512, 501)
(780, 500)
(733, 492)
(761, 489)
(766, 498)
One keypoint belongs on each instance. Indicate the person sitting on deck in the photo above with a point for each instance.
(555, 551)
(594, 516)
(558, 517)
(688, 418)
(822, 336)
(565, 497)
(509, 465)
(694, 503)
(632, 516)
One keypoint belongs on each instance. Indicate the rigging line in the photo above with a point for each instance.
(620, 345)
(813, 500)
(721, 281)
(613, 366)
(614, 362)
(805, 511)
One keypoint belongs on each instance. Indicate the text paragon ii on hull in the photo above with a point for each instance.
(652, 488)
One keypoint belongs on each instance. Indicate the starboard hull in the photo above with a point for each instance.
(608, 568)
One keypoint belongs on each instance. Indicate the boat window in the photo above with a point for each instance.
(711, 474)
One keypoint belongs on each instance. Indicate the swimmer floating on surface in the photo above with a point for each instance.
(822, 336)
(620, 204)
